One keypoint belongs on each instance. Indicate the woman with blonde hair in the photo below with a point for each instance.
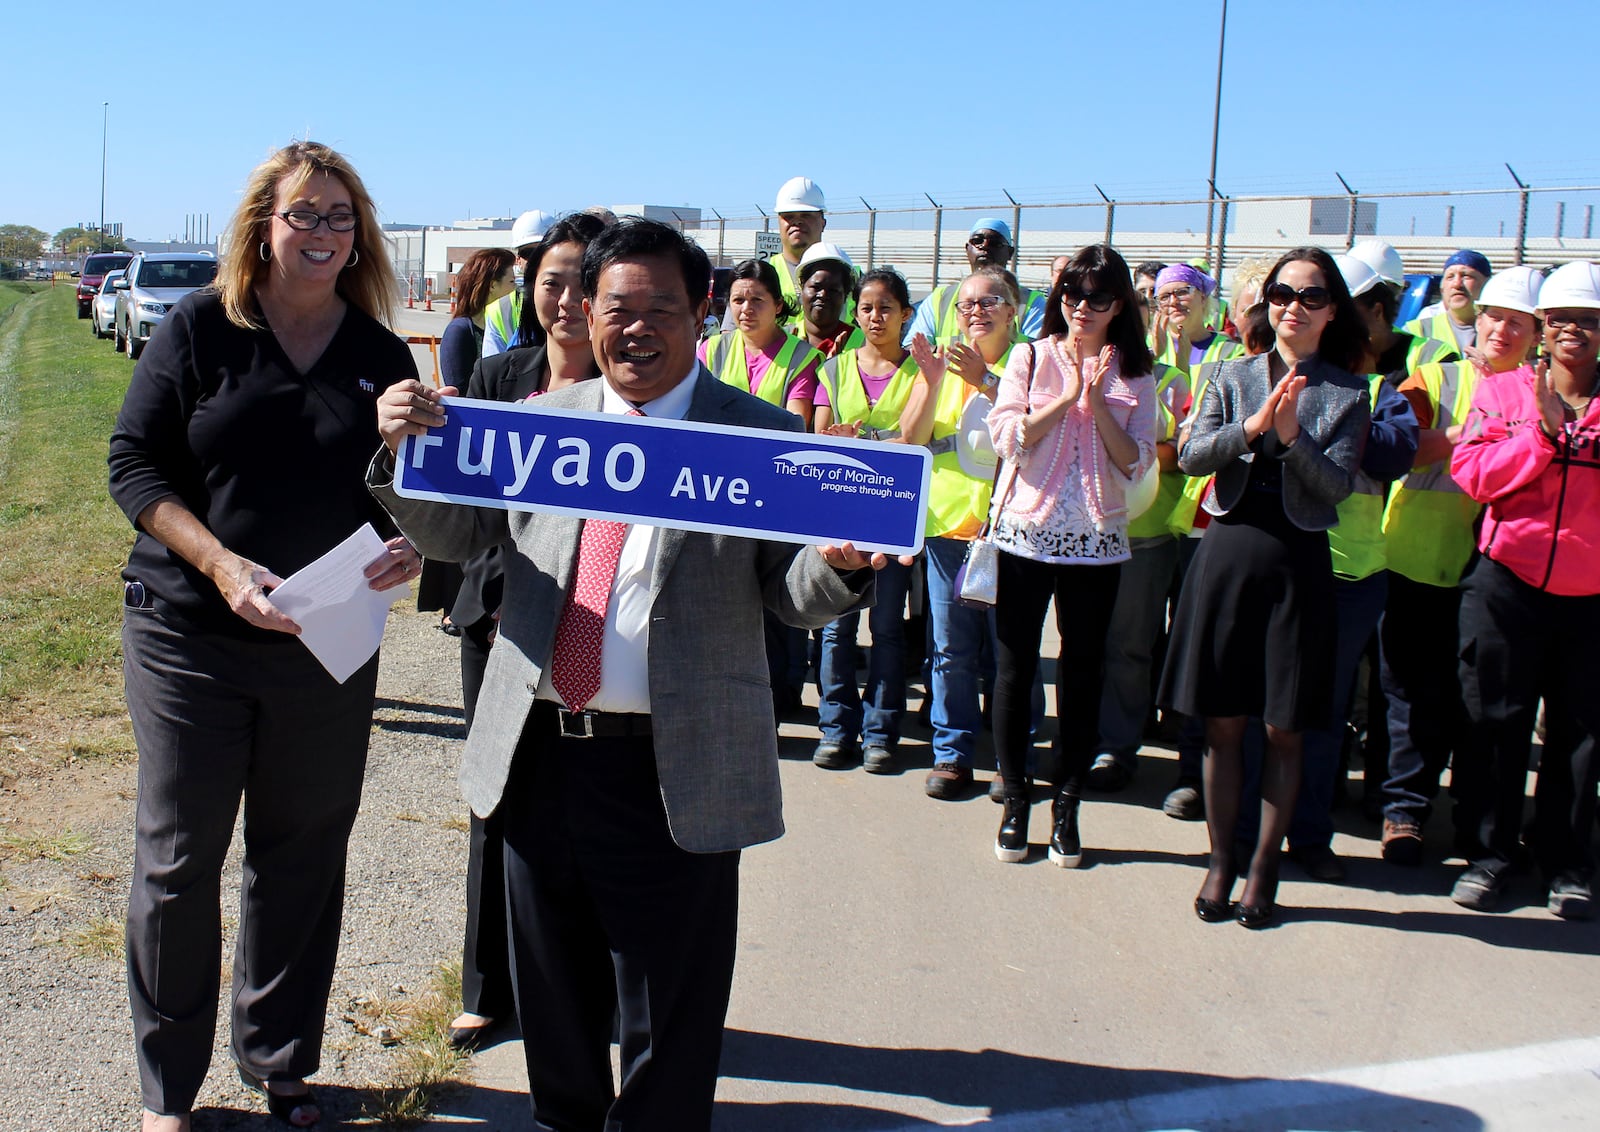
(240, 456)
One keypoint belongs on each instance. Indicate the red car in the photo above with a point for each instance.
(92, 272)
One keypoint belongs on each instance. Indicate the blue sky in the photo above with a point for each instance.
(489, 107)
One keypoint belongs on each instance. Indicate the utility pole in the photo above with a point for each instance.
(1216, 122)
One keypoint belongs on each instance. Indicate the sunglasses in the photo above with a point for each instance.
(1098, 300)
(986, 303)
(1312, 298)
(1588, 322)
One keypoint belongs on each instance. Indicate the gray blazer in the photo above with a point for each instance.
(711, 703)
(1319, 468)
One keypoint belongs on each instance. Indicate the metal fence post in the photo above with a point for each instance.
(1111, 212)
(872, 230)
(1350, 221)
(938, 229)
(1522, 217)
(1016, 232)
(1449, 220)
(1222, 238)
(766, 221)
(1561, 218)
(722, 236)
(1588, 221)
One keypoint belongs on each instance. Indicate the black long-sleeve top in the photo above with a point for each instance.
(272, 461)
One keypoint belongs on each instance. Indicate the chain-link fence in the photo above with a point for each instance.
(1542, 226)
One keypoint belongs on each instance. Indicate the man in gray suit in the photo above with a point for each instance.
(627, 798)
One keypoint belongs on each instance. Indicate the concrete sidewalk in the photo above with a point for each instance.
(892, 974)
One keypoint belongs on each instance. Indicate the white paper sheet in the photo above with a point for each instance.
(340, 616)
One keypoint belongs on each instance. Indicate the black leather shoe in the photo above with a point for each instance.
(469, 1038)
(1212, 911)
(877, 759)
(834, 756)
(1011, 843)
(1571, 896)
(1254, 916)
(1066, 847)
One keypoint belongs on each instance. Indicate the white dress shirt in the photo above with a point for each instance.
(625, 642)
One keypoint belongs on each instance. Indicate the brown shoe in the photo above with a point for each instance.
(1402, 841)
(948, 782)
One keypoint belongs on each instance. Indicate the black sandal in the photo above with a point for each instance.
(280, 1105)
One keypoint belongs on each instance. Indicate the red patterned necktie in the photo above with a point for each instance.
(575, 667)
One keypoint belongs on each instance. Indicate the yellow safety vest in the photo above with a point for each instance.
(1428, 523)
(1221, 349)
(848, 395)
(957, 503)
(1357, 544)
(1181, 520)
(1157, 520)
(1436, 327)
(1425, 350)
(504, 311)
(725, 357)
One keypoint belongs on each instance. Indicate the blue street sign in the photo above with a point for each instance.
(788, 486)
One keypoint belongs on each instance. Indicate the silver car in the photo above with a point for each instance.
(151, 285)
(103, 307)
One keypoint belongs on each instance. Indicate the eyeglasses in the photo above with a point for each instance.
(1098, 300)
(1586, 322)
(304, 220)
(1311, 298)
(1177, 297)
(985, 304)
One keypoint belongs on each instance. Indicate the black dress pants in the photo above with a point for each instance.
(485, 957)
(1518, 643)
(609, 915)
(218, 720)
(1085, 596)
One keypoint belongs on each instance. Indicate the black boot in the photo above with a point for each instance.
(1011, 843)
(1066, 849)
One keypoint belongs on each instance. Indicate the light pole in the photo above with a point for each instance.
(1216, 120)
(104, 128)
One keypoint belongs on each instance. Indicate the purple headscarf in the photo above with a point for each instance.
(1192, 276)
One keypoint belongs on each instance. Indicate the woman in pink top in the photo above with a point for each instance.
(759, 356)
(1074, 420)
(1530, 604)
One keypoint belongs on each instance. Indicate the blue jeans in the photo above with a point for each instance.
(958, 635)
(843, 712)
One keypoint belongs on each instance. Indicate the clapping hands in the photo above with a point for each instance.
(1280, 413)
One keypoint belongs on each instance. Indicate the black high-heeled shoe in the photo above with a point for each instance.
(1212, 911)
(1255, 916)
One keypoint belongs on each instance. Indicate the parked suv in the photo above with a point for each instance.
(150, 286)
(94, 270)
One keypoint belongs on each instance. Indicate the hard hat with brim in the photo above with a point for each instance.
(530, 228)
(1573, 286)
(1358, 274)
(1514, 289)
(799, 194)
(824, 252)
(1382, 258)
(974, 449)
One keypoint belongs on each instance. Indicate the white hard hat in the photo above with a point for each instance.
(1515, 289)
(799, 194)
(1359, 275)
(530, 228)
(974, 448)
(1571, 285)
(1382, 258)
(822, 251)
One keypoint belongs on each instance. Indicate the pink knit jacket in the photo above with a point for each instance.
(1041, 471)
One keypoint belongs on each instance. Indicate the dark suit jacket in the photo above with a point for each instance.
(711, 705)
(1319, 468)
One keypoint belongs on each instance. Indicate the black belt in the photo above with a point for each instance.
(600, 724)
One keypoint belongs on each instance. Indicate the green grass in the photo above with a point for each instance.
(60, 596)
(13, 292)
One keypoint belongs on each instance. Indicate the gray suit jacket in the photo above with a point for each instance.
(711, 704)
(1319, 468)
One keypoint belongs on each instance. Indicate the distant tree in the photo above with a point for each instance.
(19, 242)
(79, 241)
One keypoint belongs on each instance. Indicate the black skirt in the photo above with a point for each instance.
(1255, 626)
